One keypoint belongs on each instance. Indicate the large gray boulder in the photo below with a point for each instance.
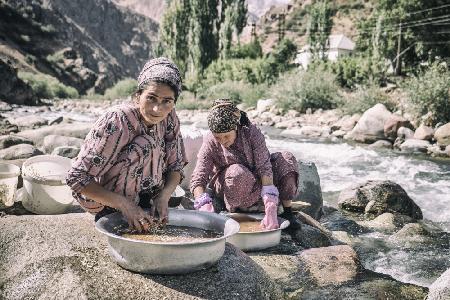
(393, 124)
(19, 152)
(440, 289)
(53, 141)
(66, 151)
(12, 140)
(64, 257)
(78, 130)
(424, 132)
(370, 126)
(442, 134)
(29, 122)
(414, 145)
(309, 189)
(377, 197)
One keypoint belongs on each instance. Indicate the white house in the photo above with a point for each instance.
(337, 45)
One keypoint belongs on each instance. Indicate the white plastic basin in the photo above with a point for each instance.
(44, 179)
(9, 176)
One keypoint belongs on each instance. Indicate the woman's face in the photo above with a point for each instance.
(156, 102)
(226, 139)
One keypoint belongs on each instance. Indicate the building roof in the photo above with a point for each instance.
(340, 41)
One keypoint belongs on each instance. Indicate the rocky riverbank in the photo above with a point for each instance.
(325, 259)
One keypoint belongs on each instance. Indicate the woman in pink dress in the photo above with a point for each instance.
(134, 155)
(235, 166)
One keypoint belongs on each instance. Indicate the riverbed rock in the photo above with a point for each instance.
(442, 134)
(19, 152)
(346, 123)
(370, 126)
(309, 189)
(413, 145)
(440, 289)
(334, 220)
(415, 235)
(377, 197)
(308, 131)
(28, 122)
(66, 151)
(311, 237)
(53, 141)
(381, 144)
(78, 130)
(264, 105)
(193, 140)
(405, 133)
(56, 120)
(393, 123)
(387, 222)
(12, 140)
(424, 132)
(64, 257)
(436, 150)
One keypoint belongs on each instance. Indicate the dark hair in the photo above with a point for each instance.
(139, 90)
(244, 120)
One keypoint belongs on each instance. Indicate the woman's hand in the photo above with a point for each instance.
(160, 205)
(137, 218)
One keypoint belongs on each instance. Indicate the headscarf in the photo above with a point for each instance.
(161, 70)
(224, 116)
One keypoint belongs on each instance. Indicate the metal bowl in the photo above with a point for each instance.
(169, 257)
(254, 241)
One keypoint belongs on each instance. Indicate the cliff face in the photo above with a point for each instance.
(87, 44)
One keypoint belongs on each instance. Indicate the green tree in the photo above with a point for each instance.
(319, 28)
(409, 32)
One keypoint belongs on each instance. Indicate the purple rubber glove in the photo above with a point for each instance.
(204, 203)
(269, 195)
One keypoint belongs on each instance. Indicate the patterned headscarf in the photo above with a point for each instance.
(224, 116)
(161, 70)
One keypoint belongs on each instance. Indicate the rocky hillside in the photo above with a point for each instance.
(151, 8)
(87, 44)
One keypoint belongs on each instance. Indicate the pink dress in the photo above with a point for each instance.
(125, 156)
(234, 173)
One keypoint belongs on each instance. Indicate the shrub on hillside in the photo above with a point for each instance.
(302, 90)
(48, 87)
(121, 89)
(240, 92)
(364, 98)
(429, 94)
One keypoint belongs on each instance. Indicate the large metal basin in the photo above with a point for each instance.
(254, 241)
(169, 257)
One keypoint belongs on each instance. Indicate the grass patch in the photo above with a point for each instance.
(47, 87)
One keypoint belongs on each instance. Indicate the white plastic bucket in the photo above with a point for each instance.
(44, 180)
(9, 176)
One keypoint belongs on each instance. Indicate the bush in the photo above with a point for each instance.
(250, 50)
(429, 94)
(48, 87)
(240, 92)
(302, 90)
(122, 89)
(365, 98)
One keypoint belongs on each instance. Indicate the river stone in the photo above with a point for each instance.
(447, 150)
(387, 222)
(311, 237)
(309, 189)
(310, 131)
(5, 106)
(334, 220)
(64, 257)
(12, 140)
(264, 105)
(414, 235)
(66, 151)
(440, 289)
(393, 123)
(331, 265)
(436, 150)
(346, 123)
(377, 197)
(56, 120)
(192, 140)
(30, 121)
(381, 144)
(442, 134)
(370, 126)
(405, 133)
(413, 145)
(53, 141)
(19, 151)
(7, 128)
(78, 130)
(424, 132)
